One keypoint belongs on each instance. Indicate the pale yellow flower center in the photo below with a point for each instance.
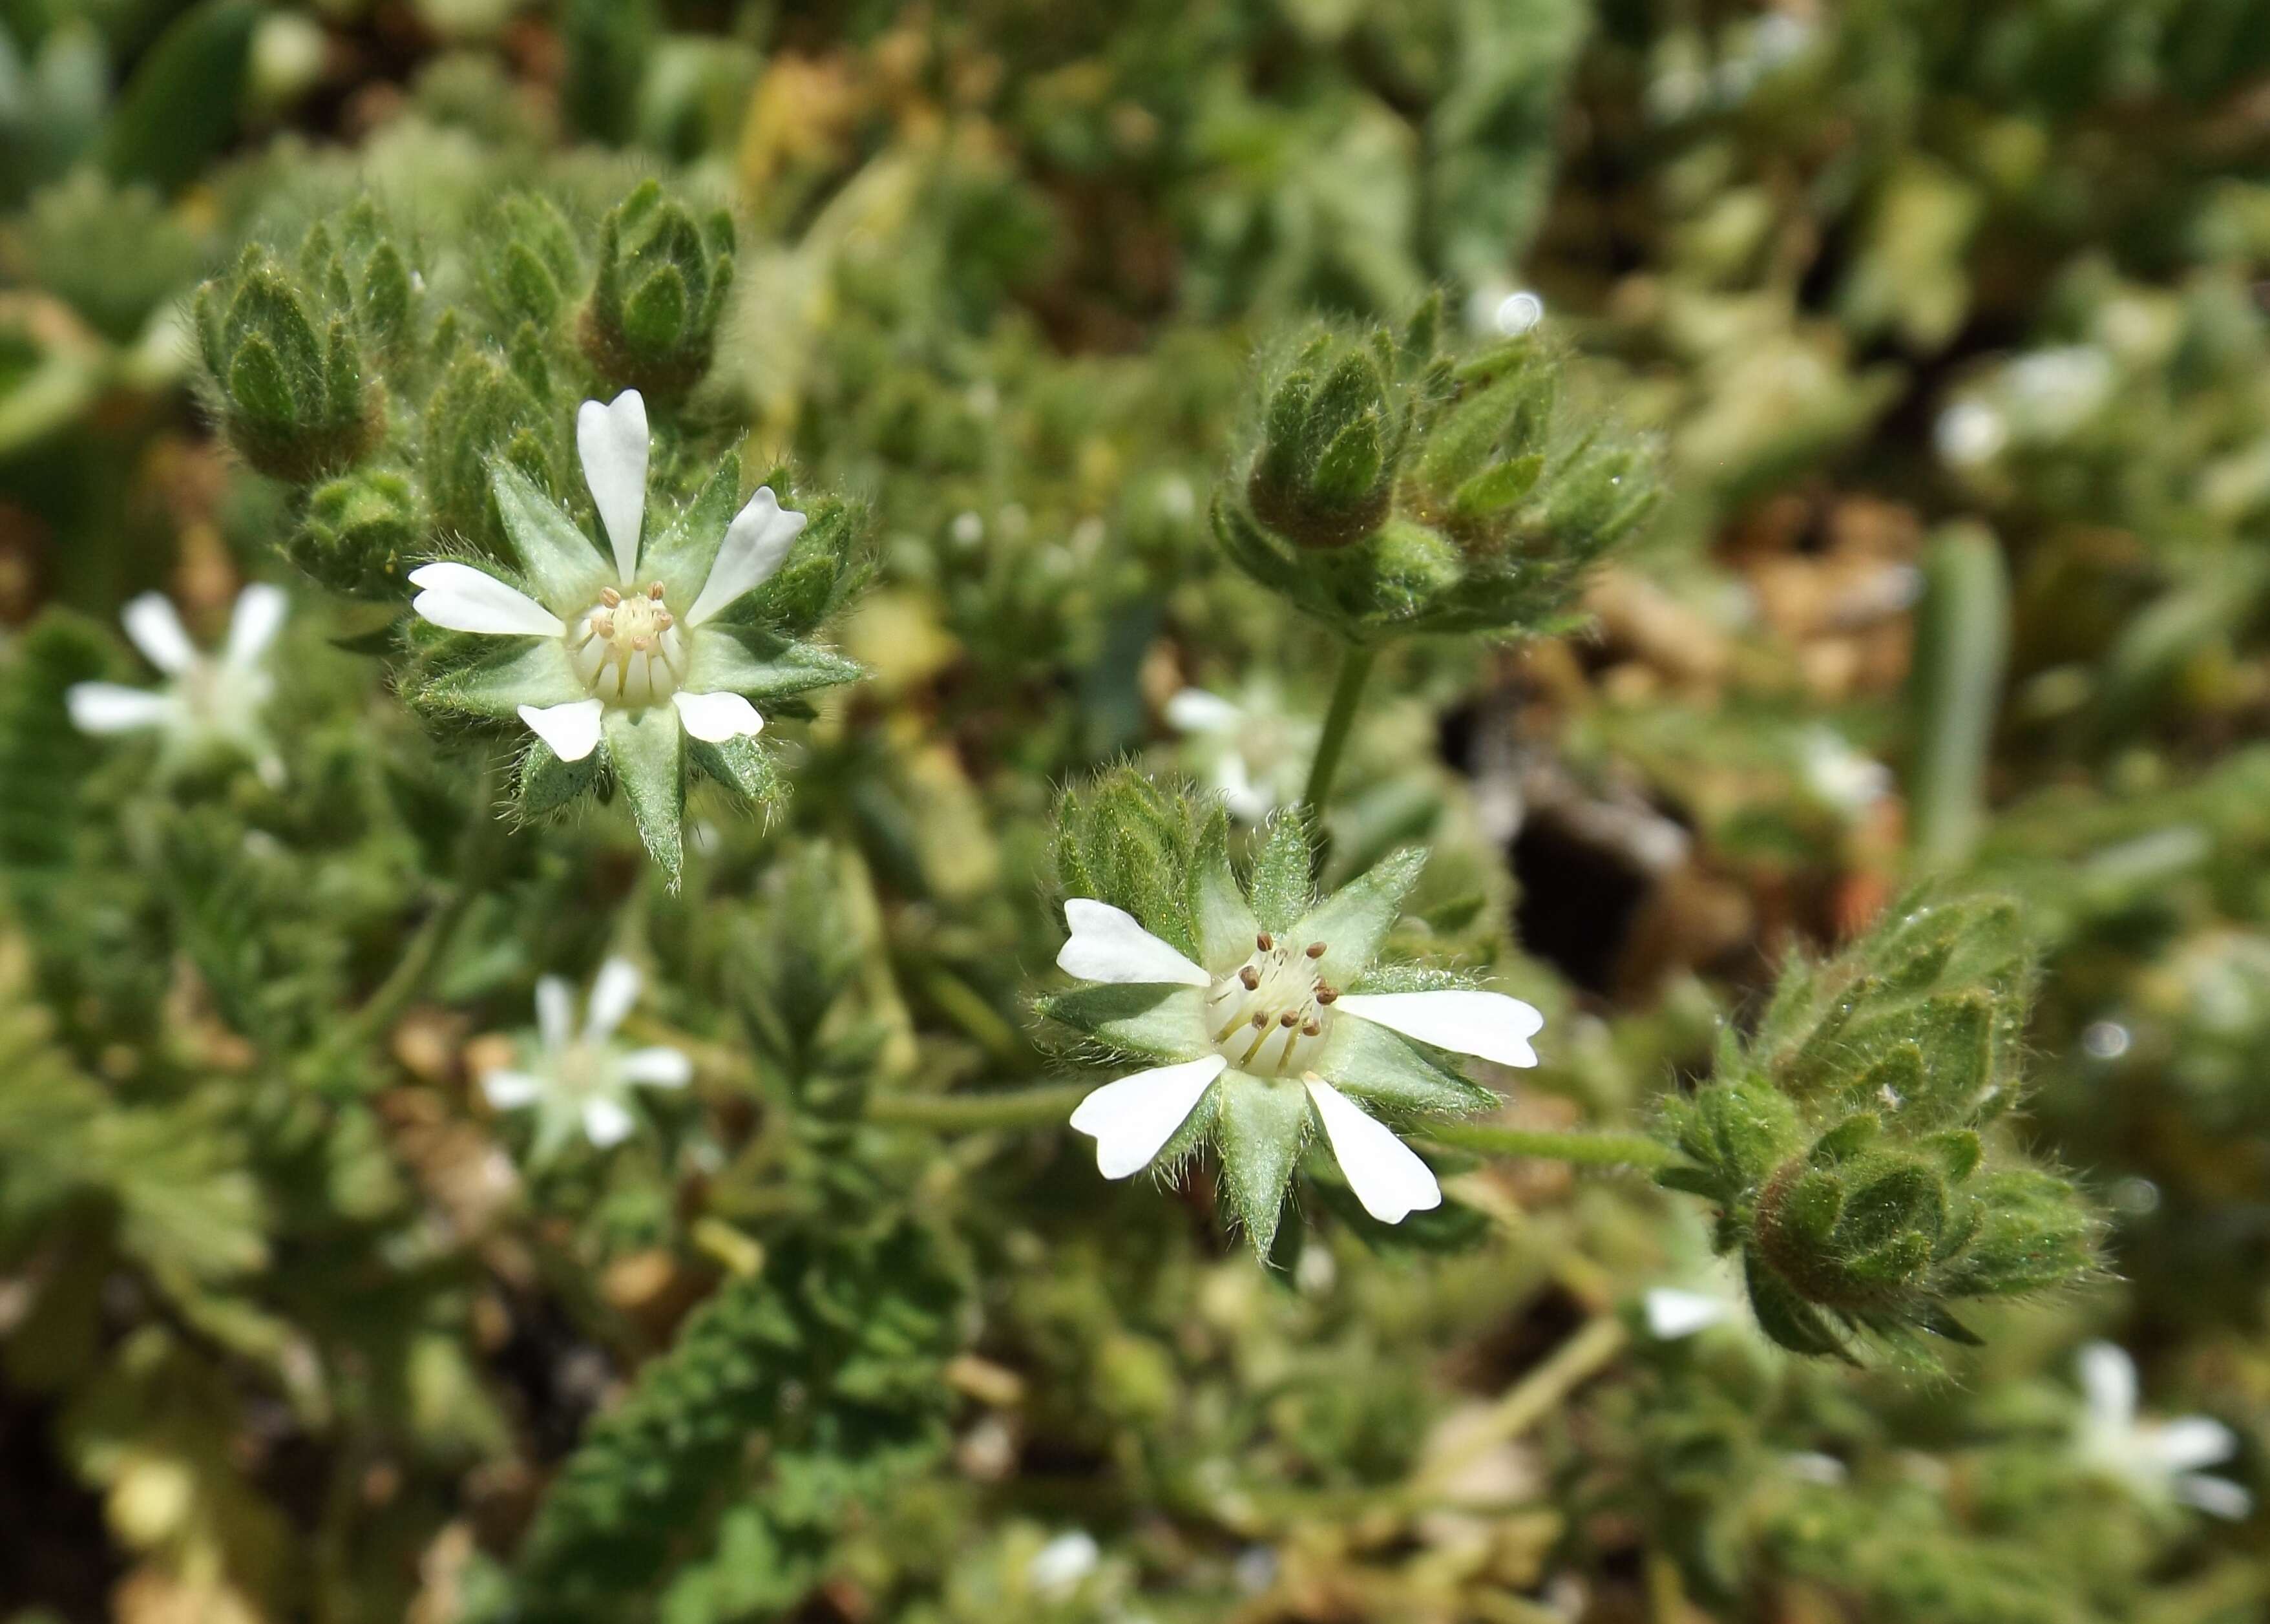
(1272, 1014)
(630, 648)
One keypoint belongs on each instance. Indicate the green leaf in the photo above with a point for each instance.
(1165, 1023)
(1260, 1126)
(547, 783)
(645, 751)
(744, 766)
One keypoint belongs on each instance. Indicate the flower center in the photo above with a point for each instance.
(629, 649)
(1271, 1014)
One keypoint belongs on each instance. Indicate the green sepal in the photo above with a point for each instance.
(1260, 1126)
(1161, 1022)
(743, 766)
(646, 753)
(493, 677)
(565, 569)
(1219, 913)
(547, 783)
(681, 554)
(1353, 920)
(1366, 1060)
(761, 666)
(1281, 891)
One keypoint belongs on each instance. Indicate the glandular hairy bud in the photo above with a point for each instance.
(294, 352)
(661, 286)
(288, 377)
(360, 534)
(1397, 489)
(1849, 1144)
(1325, 476)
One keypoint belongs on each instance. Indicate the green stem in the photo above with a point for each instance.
(1585, 1150)
(476, 848)
(1347, 693)
(1045, 1106)
(1962, 649)
(1529, 1401)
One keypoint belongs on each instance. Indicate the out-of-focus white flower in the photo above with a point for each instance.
(1841, 775)
(580, 1078)
(2158, 1462)
(1498, 309)
(1970, 433)
(1248, 750)
(209, 702)
(1058, 1567)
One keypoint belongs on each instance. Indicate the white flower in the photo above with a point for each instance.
(1058, 1567)
(1271, 1016)
(630, 644)
(1249, 751)
(1840, 775)
(209, 702)
(581, 1078)
(2156, 1461)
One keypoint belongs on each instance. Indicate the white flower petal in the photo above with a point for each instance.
(657, 1067)
(253, 625)
(460, 599)
(1488, 1025)
(555, 1012)
(109, 708)
(1107, 944)
(2188, 1442)
(572, 730)
(508, 1090)
(157, 631)
(1131, 1119)
(612, 994)
(1194, 710)
(755, 543)
(1386, 1174)
(611, 439)
(2215, 1496)
(714, 718)
(1672, 1313)
(605, 1122)
(2108, 1377)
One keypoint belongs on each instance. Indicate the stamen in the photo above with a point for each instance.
(609, 596)
(1265, 942)
(1260, 1021)
(1316, 950)
(1251, 976)
(1289, 1019)
(1326, 995)
(654, 591)
(1311, 1026)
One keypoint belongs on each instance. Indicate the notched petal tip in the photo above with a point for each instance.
(571, 731)
(612, 441)
(1489, 1025)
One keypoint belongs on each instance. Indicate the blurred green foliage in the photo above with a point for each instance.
(1903, 363)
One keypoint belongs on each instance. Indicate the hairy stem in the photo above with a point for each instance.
(973, 1113)
(1347, 694)
(1528, 1401)
(1584, 1149)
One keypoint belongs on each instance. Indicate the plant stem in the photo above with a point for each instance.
(1347, 693)
(973, 1113)
(1584, 1149)
(1527, 1402)
(1962, 649)
(411, 972)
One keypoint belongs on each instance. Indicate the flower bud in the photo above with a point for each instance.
(1397, 490)
(1846, 1144)
(290, 379)
(662, 285)
(361, 533)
